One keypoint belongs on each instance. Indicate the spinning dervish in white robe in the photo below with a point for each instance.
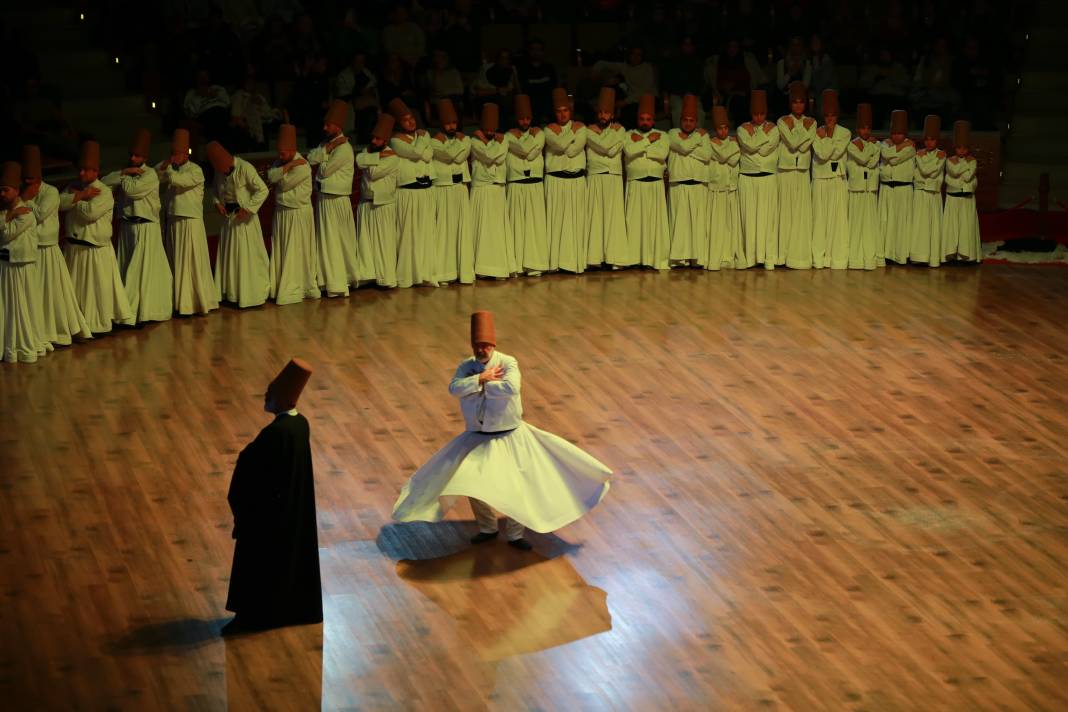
(534, 478)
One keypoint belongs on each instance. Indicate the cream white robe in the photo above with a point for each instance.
(865, 227)
(724, 249)
(94, 271)
(61, 317)
(494, 242)
(830, 200)
(186, 241)
(688, 204)
(566, 207)
(795, 191)
(143, 262)
(758, 194)
(960, 221)
(525, 195)
(895, 203)
(242, 268)
(454, 259)
(377, 217)
(530, 476)
(417, 247)
(294, 262)
(926, 243)
(608, 242)
(335, 226)
(21, 338)
(646, 157)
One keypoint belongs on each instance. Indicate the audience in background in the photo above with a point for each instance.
(920, 55)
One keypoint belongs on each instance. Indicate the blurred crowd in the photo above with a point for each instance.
(234, 69)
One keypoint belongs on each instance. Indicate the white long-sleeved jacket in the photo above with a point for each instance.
(292, 188)
(862, 167)
(565, 151)
(450, 159)
(184, 188)
(897, 165)
(45, 206)
(416, 153)
(525, 149)
(646, 158)
(89, 220)
(378, 176)
(492, 406)
(335, 168)
(18, 237)
(688, 157)
(604, 150)
(759, 152)
(829, 154)
(138, 194)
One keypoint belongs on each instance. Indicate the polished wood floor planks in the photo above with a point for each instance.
(832, 491)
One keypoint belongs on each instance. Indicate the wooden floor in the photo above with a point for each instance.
(833, 491)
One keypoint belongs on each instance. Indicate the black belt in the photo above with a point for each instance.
(526, 181)
(231, 208)
(83, 243)
(896, 183)
(687, 182)
(568, 174)
(757, 175)
(136, 219)
(420, 183)
(649, 179)
(5, 256)
(495, 432)
(960, 195)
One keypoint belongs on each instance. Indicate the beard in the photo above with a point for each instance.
(374, 148)
(603, 123)
(451, 134)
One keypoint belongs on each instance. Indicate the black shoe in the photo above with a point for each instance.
(521, 544)
(483, 537)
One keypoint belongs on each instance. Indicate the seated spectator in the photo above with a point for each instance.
(219, 50)
(397, 83)
(356, 84)
(251, 116)
(305, 40)
(209, 106)
(887, 85)
(284, 9)
(498, 82)
(640, 78)
(684, 74)
(537, 79)
(443, 81)
(522, 10)
(979, 82)
(793, 67)
(403, 38)
(351, 36)
(460, 39)
(311, 96)
(730, 75)
(273, 52)
(824, 75)
(932, 84)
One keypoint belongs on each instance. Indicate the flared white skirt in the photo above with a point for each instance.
(536, 478)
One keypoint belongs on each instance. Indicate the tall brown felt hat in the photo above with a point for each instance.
(482, 329)
(289, 383)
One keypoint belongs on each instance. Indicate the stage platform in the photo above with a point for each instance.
(832, 490)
